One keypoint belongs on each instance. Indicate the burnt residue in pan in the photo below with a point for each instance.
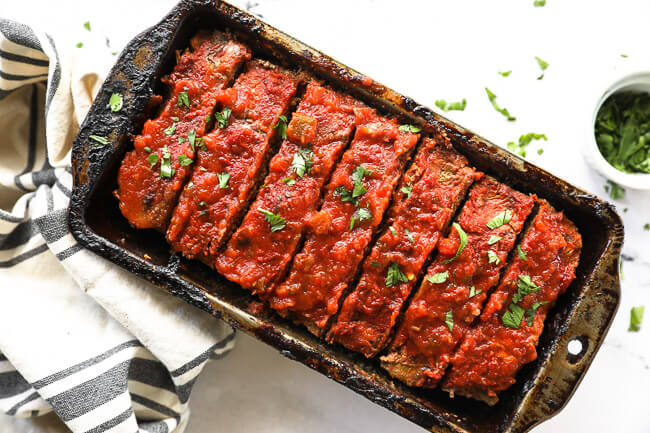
(543, 387)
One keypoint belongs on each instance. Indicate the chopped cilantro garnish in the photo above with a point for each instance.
(116, 102)
(87, 25)
(223, 179)
(281, 126)
(473, 292)
(166, 169)
(184, 160)
(521, 253)
(449, 320)
(493, 100)
(152, 160)
(408, 190)
(203, 203)
(200, 143)
(646, 226)
(190, 184)
(79, 45)
(203, 212)
(302, 162)
(449, 106)
(184, 98)
(171, 129)
(438, 278)
(147, 149)
(524, 141)
(191, 137)
(395, 275)
(392, 230)
(513, 317)
(505, 74)
(375, 264)
(409, 236)
(357, 176)
(494, 239)
(530, 314)
(615, 191)
(543, 65)
(181, 139)
(539, 3)
(99, 139)
(462, 244)
(289, 181)
(275, 221)
(221, 119)
(636, 317)
(344, 193)
(499, 220)
(525, 286)
(410, 128)
(540, 151)
(360, 214)
(493, 257)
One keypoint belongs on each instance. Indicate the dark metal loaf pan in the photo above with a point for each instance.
(543, 387)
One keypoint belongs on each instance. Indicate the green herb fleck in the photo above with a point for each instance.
(513, 317)
(473, 292)
(79, 45)
(223, 179)
(184, 98)
(99, 139)
(521, 253)
(392, 230)
(190, 184)
(636, 317)
(191, 137)
(200, 143)
(221, 119)
(449, 106)
(525, 286)
(153, 160)
(615, 191)
(409, 236)
(505, 74)
(408, 190)
(360, 215)
(395, 275)
(302, 162)
(184, 160)
(499, 220)
(494, 239)
(504, 111)
(275, 221)
(344, 193)
(449, 320)
(463, 242)
(646, 226)
(166, 169)
(289, 181)
(147, 149)
(357, 176)
(281, 126)
(410, 128)
(181, 139)
(375, 264)
(530, 314)
(203, 212)
(438, 278)
(171, 129)
(87, 25)
(539, 3)
(116, 102)
(543, 65)
(524, 141)
(493, 257)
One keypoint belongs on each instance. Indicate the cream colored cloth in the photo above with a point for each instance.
(102, 349)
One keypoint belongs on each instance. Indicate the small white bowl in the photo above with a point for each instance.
(635, 82)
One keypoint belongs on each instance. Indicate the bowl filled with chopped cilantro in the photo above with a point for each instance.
(619, 147)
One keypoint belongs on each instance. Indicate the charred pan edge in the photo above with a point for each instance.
(547, 385)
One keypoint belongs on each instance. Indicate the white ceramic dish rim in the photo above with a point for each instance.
(636, 81)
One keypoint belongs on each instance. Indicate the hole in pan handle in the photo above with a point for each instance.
(577, 348)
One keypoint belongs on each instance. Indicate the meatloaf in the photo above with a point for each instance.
(430, 193)
(457, 282)
(152, 175)
(505, 338)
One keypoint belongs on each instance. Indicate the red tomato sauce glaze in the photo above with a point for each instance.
(256, 255)
(230, 161)
(356, 198)
(496, 348)
(457, 283)
(151, 176)
(429, 195)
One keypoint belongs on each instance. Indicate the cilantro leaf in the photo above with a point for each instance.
(289, 181)
(493, 100)
(505, 74)
(184, 160)
(539, 3)
(191, 137)
(513, 316)
(438, 278)
(462, 244)
(302, 162)
(543, 65)
(449, 106)
(184, 98)
(116, 102)
(473, 292)
(408, 190)
(87, 25)
(521, 253)
(409, 236)
(223, 179)
(166, 169)
(275, 221)
(152, 160)
(530, 314)
(410, 128)
(221, 119)
(636, 317)
(493, 257)
(344, 193)
(616, 191)
(499, 220)
(281, 126)
(360, 215)
(525, 286)
(494, 239)
(395, 275)
(449, 320)
(171, 129)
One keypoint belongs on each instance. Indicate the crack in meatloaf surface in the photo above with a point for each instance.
(152, 175)
(458, 281)
(431, 191)
(506, 337)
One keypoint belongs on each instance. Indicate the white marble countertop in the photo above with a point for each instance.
(433, 50)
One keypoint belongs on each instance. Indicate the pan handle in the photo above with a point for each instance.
(572, 353)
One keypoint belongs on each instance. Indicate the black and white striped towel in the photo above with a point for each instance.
(78, 336)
